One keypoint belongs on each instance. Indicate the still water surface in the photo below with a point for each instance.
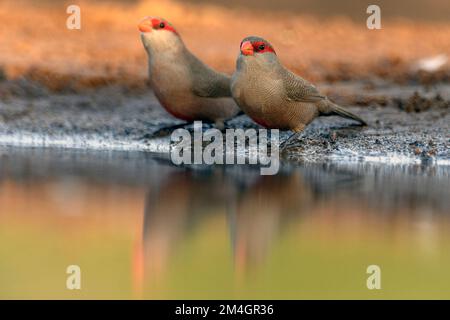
(140, 227)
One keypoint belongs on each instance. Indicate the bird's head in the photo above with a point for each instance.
(158, 34)
(256, 52)
(256, 46)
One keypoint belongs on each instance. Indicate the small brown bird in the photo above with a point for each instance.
(273, 96)
(185, 86)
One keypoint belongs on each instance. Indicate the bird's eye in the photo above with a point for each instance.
(162, 25)
(261, 47)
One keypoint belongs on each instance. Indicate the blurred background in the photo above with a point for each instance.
(323, 40)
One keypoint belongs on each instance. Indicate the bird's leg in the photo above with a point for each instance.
(165, 131)
(288, 141)
(294, 136)
(220, 124)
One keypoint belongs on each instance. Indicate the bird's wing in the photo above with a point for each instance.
(298, 89)
(206, 82)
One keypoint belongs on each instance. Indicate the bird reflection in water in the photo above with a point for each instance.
(335, 203)
(256, 209)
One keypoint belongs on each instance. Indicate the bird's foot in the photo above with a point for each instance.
(220, 125)
(165, 131)
(288, 142)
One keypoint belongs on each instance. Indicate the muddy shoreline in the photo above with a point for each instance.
(407, 124)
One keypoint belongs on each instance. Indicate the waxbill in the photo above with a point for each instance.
(185, 86)
(273, 96)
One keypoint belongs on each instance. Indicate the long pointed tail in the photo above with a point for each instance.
(340, 111)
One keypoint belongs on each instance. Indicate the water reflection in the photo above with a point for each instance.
(174, 208)
(258, 208)
(230, 228)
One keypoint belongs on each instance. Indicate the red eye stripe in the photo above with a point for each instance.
(157, 25)
(267, 47)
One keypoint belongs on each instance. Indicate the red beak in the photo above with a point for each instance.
(247, 48)
(145, 25)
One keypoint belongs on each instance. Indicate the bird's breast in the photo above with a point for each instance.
(169, 74)
(258, 93)
(263, 99)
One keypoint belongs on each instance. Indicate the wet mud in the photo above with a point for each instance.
(405, 123)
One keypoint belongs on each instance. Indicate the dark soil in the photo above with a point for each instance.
(406, 123)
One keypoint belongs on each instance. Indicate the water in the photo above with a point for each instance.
(139, 227)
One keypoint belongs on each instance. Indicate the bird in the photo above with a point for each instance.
(273, 96)
(185, 86)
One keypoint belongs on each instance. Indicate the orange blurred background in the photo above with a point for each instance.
(320, 40)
